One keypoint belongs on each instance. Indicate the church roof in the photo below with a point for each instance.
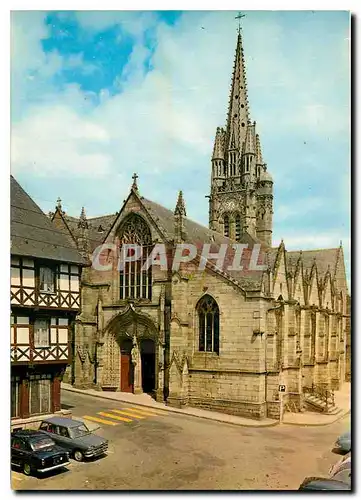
(33, 234)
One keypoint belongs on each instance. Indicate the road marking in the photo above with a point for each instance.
(95, 419)
(146, 412)
(103, 414)
(128, 414)
(15, 477)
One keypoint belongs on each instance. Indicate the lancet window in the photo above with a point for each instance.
(208, 318)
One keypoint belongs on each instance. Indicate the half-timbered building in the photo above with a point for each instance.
(45, 298)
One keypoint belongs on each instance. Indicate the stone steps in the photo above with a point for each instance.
(319, 405)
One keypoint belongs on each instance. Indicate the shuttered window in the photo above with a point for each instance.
(41, 333)
(40, 394)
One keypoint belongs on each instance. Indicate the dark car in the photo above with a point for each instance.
(75, 437)
(34, 452)
(343, 443)
(323, 484)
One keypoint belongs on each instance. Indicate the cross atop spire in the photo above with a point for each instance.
(239, 17)
(135, 185)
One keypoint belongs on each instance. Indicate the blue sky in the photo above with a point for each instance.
(99, 95)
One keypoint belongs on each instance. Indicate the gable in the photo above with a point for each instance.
(133, 205)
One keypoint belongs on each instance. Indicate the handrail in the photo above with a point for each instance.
(322, 393)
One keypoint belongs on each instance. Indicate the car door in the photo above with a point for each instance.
(52, 431)
(19, 451)
(63, 438)
(15, 451)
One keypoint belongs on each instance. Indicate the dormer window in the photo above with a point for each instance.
(46, 280)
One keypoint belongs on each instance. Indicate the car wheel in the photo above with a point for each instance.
(27, 469)
(78, 455)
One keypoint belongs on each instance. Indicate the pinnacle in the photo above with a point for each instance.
(180, 208)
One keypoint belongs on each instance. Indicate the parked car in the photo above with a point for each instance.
(35, 452)
(75, 437)
(323, 484)
(343, 463)
(341, 471)
(343, 443)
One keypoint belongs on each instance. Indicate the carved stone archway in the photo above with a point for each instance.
(140, 329)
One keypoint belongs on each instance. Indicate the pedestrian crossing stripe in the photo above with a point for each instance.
(150, 413)
(95, 419)
(129, 414)
(116, 417)
(16, 477)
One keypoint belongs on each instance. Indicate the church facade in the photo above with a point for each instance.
(208, 334)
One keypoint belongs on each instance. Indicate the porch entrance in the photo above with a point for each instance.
(147, 355)
(126, 367)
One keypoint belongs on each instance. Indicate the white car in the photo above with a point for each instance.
(341, 471)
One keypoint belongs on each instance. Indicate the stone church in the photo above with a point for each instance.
(217, 338)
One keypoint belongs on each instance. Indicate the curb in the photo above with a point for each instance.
(172, 410)
(319, 424)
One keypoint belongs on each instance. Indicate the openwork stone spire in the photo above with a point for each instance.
(238, 112)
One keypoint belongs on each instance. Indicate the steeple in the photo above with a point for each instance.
(238, 113)
(241, 187)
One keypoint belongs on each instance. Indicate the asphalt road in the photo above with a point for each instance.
(175, 452)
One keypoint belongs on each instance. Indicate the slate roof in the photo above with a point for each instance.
(32, 232)
(324, 258)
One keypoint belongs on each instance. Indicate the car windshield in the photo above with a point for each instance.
(42, 443)
(79, 431)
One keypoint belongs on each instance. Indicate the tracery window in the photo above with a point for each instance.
(226, 225)
(208, 317)
(134, 282)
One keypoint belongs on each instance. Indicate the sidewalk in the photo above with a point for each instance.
(342, 400)
(148, 401)
(309, 418)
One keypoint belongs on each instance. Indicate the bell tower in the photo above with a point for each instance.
(241, 198)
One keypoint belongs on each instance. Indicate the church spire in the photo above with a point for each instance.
(238, 113)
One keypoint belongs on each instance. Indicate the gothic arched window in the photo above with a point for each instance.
(238, 227)
(226, 225)
(208, 321)
(134, 282)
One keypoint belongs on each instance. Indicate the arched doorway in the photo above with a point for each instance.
(126, 366)
(147, 354)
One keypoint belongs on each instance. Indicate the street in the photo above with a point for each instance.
(154, 450)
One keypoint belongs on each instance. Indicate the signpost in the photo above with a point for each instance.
(281, 390)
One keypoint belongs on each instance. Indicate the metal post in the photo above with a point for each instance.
(281, 407)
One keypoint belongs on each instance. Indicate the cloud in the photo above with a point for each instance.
(70, 144)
